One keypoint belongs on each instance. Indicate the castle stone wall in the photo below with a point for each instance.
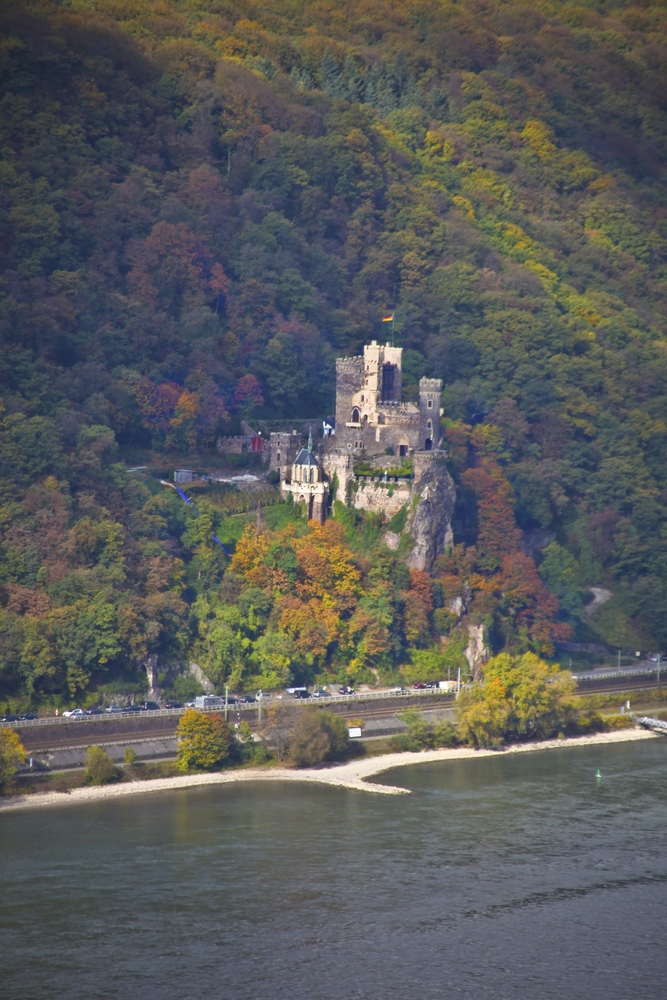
(381, 497)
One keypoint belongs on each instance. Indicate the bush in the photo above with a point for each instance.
(130, 755)
(11, 754)
(203, 741)
(421, 735)
(318, 736)
(100, 769)
(246, 749)
(613, 722)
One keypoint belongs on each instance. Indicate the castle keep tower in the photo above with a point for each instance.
(370, 416)
(430, 390)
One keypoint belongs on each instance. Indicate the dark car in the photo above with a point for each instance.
(302, 694)
(173, 704)
(150, 706)
(345, 690)
(247, 699)
(132, 708)
(29, 717)
(94, 711)
(9, 718)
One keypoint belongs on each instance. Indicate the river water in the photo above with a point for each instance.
(521, 876)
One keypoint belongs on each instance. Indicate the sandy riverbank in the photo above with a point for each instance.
(350, 775)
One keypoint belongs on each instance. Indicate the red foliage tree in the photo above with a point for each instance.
(534, 607)
(497, 534)
(247, 393)
(157, 404)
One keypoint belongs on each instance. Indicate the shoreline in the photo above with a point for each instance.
(353, 774)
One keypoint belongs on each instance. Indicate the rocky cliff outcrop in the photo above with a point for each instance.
(430, 519)
(476, 652)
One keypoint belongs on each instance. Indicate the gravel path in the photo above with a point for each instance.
(351, 775)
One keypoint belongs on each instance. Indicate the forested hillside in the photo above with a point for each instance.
(203, 202)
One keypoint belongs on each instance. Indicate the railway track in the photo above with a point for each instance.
(626, 684)
(83, 734)
(114, 730)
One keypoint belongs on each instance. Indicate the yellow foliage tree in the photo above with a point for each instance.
(522, 696)
(203, 741)
(12, 753)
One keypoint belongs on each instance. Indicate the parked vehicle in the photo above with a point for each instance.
(345, 690)
(419, 686)
(132, 708)
(173, 704)
(114, 708)
(246, 699)
(9, 718)
(301, 693)
(150, 706)
(74, 713)
(209, 701)
(28, 717)
(94, 711)
(321, 694)
(398, 690)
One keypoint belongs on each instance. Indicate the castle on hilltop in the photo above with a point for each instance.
(371, 424)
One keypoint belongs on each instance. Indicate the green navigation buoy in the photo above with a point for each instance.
(598, 774)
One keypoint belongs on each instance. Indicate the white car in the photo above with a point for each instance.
(74, 713)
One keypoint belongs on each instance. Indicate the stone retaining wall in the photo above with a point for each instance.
(381, 497)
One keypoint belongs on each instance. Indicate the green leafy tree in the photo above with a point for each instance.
(521, 697)
(318, 736)
(203, 741)
(100, 768)
(560, 572)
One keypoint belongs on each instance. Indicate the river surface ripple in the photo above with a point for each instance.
(522, 876)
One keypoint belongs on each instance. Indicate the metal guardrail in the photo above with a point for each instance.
(334, 699)
(267, 700)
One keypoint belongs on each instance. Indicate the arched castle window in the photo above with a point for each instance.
(278, 457)
(355, 416)
(428, 444)
(429, 424)
(430, 404)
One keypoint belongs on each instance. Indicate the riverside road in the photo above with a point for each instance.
(52, 733)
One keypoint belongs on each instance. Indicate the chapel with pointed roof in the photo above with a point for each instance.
(308, 484)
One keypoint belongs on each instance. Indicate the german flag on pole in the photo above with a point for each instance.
(388, 318)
